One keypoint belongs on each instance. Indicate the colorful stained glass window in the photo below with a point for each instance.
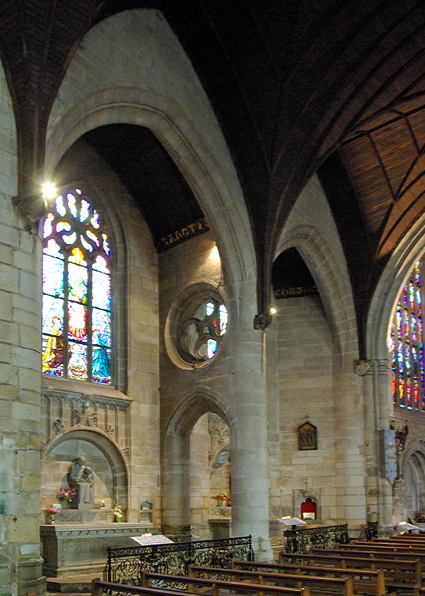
(76, 325)
(407, 345)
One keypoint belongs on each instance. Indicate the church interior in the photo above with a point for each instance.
(212, 222)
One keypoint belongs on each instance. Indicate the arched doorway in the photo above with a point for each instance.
(210, 478)
(196, 464)
(413, 474)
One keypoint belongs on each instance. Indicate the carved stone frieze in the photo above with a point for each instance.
(221, 512)
(63, 411)
(218, 430)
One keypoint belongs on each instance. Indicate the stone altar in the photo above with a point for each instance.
(73, 549)
(220, 522)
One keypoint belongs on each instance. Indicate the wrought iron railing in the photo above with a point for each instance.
(302, 540)
(126, 565)
(371, 530)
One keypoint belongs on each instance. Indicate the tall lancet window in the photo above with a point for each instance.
(407, 344)
(76, 327)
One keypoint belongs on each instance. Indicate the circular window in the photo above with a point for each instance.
(196, 326)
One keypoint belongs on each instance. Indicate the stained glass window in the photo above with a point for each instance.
(407, 345)
(76, 325)
(203, 331)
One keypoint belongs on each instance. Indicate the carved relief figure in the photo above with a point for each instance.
(82, 479)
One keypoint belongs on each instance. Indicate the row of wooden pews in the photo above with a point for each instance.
(377, 568)
(264, 579)
(220, 582)
(400, 558)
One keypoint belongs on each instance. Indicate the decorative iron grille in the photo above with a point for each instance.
(302, 540)
(126, 565)
(371, 530)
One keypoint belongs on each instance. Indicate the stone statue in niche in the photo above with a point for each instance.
(81, 478)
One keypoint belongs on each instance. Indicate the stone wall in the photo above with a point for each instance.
(118, 415)
(314, 342)
(20, 563)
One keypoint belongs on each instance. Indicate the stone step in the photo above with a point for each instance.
(70, 585)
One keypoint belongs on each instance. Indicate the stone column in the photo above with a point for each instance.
(250, 489)
(176, 487)
(384, 408)
(349, 436)
(366, 370)
(376, 396)
(20, 405)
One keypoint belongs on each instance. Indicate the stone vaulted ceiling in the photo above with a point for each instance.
(298, 86)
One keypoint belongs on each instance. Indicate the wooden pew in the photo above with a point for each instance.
(218, 586)
(382, 546)
(406, 540)
(374, 549)
(367, 581)
(398, 572)
(98, 587)
(317, 584)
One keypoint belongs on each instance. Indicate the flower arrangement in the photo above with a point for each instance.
(52, 512)
(225, 498)
(117, 513)
(67, 493)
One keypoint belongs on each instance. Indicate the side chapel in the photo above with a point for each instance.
(211, 256)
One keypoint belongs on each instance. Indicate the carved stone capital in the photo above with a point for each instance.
(364, 367)
(262, 321)
(30, 209)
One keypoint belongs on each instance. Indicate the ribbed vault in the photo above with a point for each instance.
(297, 86)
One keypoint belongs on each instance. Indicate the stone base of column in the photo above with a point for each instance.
(262, 549)
(176, 533)
(30, 578)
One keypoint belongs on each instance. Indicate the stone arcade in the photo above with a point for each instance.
(210, 161)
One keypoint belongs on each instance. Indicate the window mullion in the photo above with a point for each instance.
(90, 321)
(65, 317)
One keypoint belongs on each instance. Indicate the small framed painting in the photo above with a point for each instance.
(307, 436)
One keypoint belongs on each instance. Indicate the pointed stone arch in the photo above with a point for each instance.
(378, 379)
(387, 290)
(176, 458)
(331, 281)
(112, 470)
(222, 204)
(190, 409)
(413, 479)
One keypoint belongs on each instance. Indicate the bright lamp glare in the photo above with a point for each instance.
(49, 190)
(273, 310)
